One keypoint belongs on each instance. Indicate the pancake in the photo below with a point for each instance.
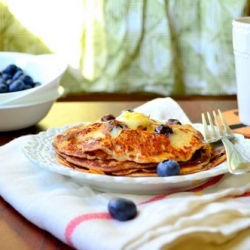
(132, 144)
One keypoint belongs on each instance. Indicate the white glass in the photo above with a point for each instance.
(241, 47)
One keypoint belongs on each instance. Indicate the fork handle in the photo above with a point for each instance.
(237, 164)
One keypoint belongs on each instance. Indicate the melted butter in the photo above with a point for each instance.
(180, 138)
(96, 134)
(115, 132)
(134, 119)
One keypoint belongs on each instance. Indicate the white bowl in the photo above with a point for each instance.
(24, 115)
(47, 69)
(31, 99)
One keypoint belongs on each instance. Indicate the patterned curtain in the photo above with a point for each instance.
(170, 47)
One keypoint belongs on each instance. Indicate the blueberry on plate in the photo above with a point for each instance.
(108, 117)
(164, 129)
(168, 168)
(174, 122)
(122, 209)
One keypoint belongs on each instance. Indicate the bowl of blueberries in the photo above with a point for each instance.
(29, 85)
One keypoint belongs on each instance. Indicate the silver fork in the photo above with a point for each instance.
(237, 163)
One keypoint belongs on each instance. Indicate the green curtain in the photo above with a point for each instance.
(171, 47)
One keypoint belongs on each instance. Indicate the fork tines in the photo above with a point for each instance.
(217, 130)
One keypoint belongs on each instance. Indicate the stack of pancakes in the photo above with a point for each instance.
(132, 144)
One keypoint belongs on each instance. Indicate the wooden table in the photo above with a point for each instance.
(18, 233)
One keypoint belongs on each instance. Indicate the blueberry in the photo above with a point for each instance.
(168, 168)
(27, 86)
(5, 76)
(163, 129)
(8, 82)
(3, 88)
(26, 79)
(108, 118)
(16, 79)
(36, 84)
(2, 81)
(122, 209)
(11, 69)
(174, 122)
(17, 74)
(16, 86)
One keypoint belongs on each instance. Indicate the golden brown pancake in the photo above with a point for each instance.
(132, 144)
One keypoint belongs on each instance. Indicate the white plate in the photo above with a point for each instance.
(39, 151)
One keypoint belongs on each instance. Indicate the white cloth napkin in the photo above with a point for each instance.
(213, 216)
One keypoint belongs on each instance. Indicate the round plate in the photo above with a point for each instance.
(38, 149)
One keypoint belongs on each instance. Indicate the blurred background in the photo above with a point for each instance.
(166, 47)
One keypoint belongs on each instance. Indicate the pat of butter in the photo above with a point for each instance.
(134, 119)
